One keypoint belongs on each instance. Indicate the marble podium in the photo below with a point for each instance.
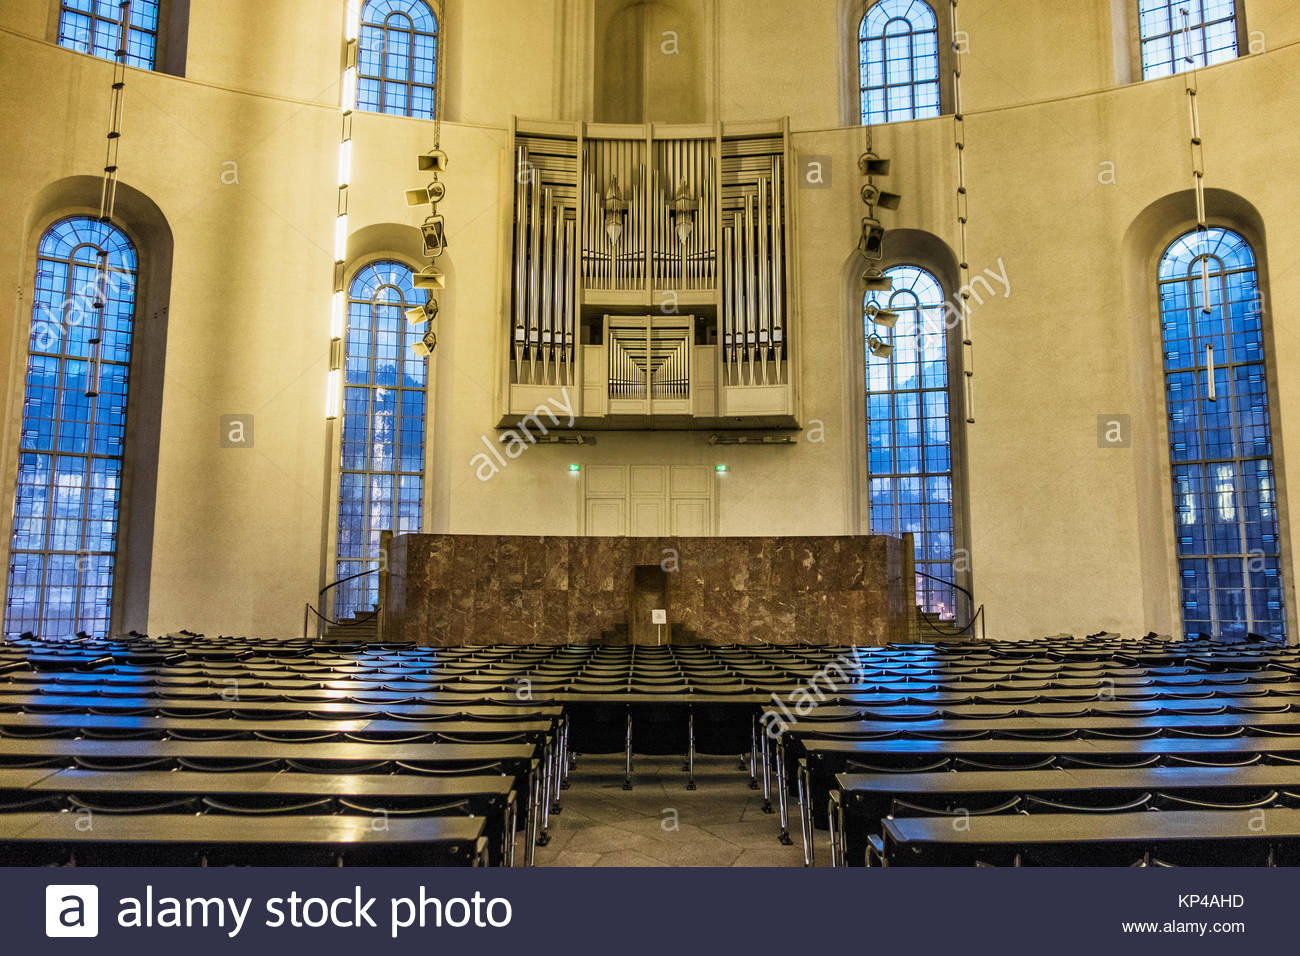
(448, 589)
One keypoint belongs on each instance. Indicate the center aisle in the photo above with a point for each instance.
(660, 823)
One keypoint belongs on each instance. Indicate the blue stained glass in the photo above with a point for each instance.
(898, 62)
(397, 59)
(381, 481)
(96, 29)
(909, 431)
(1225, 519)
(1172, 43)
(66, 505)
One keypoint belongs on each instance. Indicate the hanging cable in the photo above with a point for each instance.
(433, 229)
(338, 305)
(108, 195)
(871, 243)
(1191, 84)
(963, 216)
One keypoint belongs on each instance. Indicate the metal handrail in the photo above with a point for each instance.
(957, 632)
(361, 620)
(309, 609)
(353, 577)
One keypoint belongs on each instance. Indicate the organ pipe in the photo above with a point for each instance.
(734, 193)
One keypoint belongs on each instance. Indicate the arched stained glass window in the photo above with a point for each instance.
(381, 480)
(64, 542)
(1171, 44)
(397, 62)
(898, 62)
(94, 26)
(909, 433)
(1221, 448)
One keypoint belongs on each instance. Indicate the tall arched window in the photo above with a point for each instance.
(1206, 37)
(381, 481)
(1220, 443)
(64, 542)
(397, 64)
(93, 26)
(898, 62)
(908, 430)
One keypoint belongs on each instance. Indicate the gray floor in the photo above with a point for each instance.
(661, 823)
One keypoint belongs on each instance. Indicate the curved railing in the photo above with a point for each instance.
(977, 617)
(310, 609)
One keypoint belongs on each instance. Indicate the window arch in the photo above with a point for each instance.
(1208, 37)
(381, 479)
(397, 63)
(909, 430)
(898, 62)
(1221, 451)
(93, 26)
(64, 544)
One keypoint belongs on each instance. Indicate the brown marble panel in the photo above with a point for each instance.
(509, 556)
(452, 589)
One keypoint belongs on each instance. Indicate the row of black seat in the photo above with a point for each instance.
(1201, 767)
(338, 736)
(88, 732)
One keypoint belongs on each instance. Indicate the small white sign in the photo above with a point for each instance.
(658, 616)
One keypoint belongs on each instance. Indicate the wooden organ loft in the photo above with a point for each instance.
(650, 275)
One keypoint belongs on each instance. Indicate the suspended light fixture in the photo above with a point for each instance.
(333, 389)
(345, 163)
(341, 238)
(352, 29)
(336, 316)
(338, 303)
(349, 98)
(879, 347)
(1211, 393)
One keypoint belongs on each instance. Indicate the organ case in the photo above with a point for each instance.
(650, 275)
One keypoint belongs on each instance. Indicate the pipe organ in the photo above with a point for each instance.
(650, 275)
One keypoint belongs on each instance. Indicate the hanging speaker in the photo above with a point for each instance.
(873, 195)
(435, 160)
(430, 278)
(873, 165)
(423, 313)
(885, 318)
(872, 242)
(427, 344)
(435, 238)
(873, 280)
(431, 194)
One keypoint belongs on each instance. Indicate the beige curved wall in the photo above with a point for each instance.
(1065, 536)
